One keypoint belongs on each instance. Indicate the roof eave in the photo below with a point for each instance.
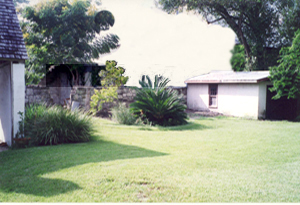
(13, 59)
(225, 81)
(263, 79)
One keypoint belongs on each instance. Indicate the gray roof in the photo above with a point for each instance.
(231, 77)
(12, 44)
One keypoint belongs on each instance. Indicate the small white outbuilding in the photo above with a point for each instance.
(242, 94)
(12, 66)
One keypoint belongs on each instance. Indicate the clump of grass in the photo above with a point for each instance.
(123, 115)
(55, 125)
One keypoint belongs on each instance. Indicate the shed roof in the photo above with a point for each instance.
(12, 44)
(230, 77)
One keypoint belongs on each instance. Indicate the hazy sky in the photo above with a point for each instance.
(175, 46)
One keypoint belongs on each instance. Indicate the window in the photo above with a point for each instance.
(213, 94)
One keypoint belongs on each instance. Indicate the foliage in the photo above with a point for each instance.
(157, 104)
(255, 22)
(65, 32)
(18, 2)
(20, 133)
(238, 59)
(123, 115)
(290, 17)
(104, 95)
(96, 79)
(286, 76)
(240, 62)
(55, 125)
(112, 78)
(32, 113)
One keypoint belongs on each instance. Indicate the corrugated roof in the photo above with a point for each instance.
(12, 44)
(230, 77)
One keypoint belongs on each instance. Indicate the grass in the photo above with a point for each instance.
(208, 160)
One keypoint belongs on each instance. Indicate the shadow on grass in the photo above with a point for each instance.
(21, 170)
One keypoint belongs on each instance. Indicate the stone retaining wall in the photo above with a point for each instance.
(48, 95)
(38, 94)
(80, 94)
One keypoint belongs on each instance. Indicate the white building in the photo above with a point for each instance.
(12, 65)
(241, 94)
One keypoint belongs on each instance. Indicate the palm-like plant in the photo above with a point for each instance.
(158, 104)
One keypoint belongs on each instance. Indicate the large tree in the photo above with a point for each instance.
(286, 76)
(290, 20)
(65, 32)
(255, 22)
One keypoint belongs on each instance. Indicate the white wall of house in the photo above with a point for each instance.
(241, 100)
(18, 93)
(197, 96)
(5, 103)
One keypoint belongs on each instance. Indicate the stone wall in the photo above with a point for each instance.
(48, 95)
(80, 94)
(37, 94)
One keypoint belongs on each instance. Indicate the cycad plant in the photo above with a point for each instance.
(157, 104)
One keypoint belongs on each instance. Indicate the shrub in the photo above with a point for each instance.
(159, 105)
(111, 78)
(54, 125)
(123, 115)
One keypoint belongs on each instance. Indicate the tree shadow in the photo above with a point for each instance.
(21, 170)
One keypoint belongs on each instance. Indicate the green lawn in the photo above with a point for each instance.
(208, 160)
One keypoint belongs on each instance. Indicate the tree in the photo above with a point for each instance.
(238, 59)
(286, 76)
(111, 79)
(65, 32)
(290, 17)
(255, 22)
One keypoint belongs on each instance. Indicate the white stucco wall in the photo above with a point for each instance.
(197, 96)
(18, 93)
(5, 104)
(241, 100)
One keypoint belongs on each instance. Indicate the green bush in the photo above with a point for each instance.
(55, 125)
(159, 105)
(238, 58)
(123, 115)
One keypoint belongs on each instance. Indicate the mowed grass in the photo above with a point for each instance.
(209, 160)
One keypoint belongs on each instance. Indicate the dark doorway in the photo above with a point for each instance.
(281, 109)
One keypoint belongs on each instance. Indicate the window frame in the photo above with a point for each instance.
(210, 96)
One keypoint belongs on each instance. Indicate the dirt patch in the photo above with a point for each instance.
(201, 113)
(3, 146)
(104, 113)
(192, 114)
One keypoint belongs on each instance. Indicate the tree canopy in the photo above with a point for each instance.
(65, 32)
(258, 24)
(286, 76)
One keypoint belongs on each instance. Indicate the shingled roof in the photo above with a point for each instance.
(12, 44)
